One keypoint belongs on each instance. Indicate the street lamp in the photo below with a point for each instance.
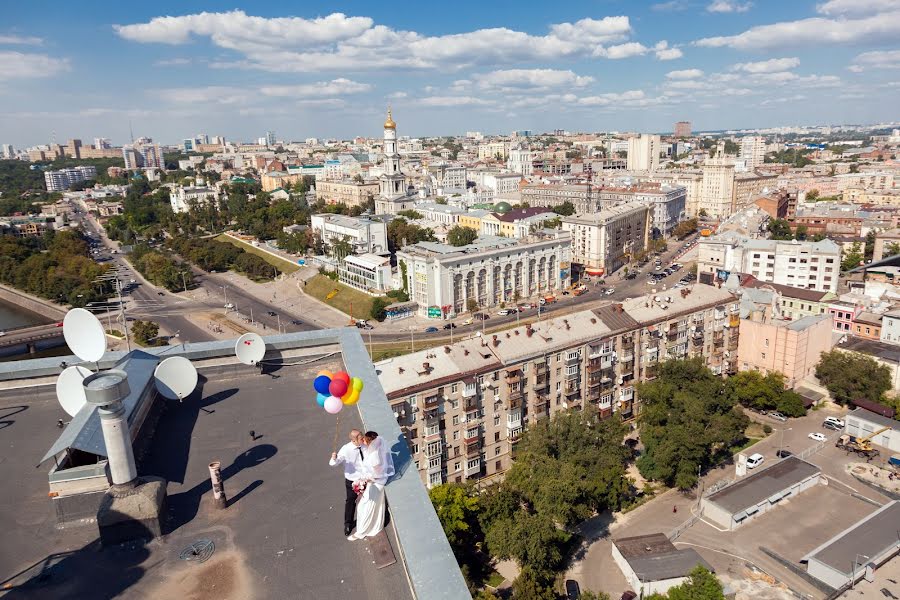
(856, 562)
(781, 442)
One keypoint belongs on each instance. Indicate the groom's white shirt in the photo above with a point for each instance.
(349, 456)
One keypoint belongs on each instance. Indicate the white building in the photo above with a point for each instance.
(441, 213)
(493, 150)
(60, 181)
(606, 240)
(521, 160)
(807, 265)
(717, 187)
(369, 273)
(143, 156)
(652, 564)
(365, 235)
(503, 184)
(7, 151)
(643, 153)
(753, 150)
(183, 199)
(489, 271)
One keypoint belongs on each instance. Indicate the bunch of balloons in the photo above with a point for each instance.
(334, 390)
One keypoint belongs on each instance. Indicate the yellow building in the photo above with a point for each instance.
(472, 219)
(349, 192)
(278, 179)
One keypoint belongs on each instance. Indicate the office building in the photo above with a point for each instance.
(464, 406)
(717, 187)
(643, 153)
(346, 191)
(442, 279)
(683, 129)
(753, 151)
(521, 160)
(603, 242)
(496, 150)
(368, 273)
(668, 203)
(7, 151)
(61, 180)
(270, 139)
(364, 235)
(584, 197)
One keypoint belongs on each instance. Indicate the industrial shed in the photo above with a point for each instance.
(652, 564)
(755, 494)
(862, 423)
(858, 550)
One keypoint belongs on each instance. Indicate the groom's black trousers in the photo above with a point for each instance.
(349, 504)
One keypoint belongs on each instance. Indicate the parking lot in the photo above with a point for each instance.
(790, 531)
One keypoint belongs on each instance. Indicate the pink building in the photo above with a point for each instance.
(792, 348)
(843, 315)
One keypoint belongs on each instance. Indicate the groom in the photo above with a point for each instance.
(351, 456)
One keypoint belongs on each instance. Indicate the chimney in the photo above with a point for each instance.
(426, 367)
(400, 369)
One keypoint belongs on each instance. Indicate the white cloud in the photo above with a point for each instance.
(454, 101)
(783, 99)
(630, 98)
(528, 78)
(336, 87)
(620, 51)
(25, 40)
(669, 53)
(856, 7)
(878, 59)
(685, 74)
(19, 65)
(398, 95)
(772, 65)
(593, 31)
(815, 31)
(728, 6)
(211, 94)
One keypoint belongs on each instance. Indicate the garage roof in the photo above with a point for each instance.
(872, 536)
(763, 484)
(654, 558)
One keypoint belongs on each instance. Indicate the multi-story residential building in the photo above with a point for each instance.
(643, 153)
(463, 407)
(516, 223)
(753, 150)
(451, 177)
(748, 185)
(61, 180)
(347, 191)
(877, 197)
(441, 213)
(184, 199)
(584, 197)
(7, 151)
(796, 303)
(843, 315)
(498, 150)
(369, 273)
(792, 348)
(489, 271)
(717, 187)
(811, 265)
(776, 204)
(667, 203)
(604, 241)
(364, 234)
(867, 325)
(503, 184)
(273, 180)
(521, 160)
(890, 327)
(683, 129)
(691, 181)
(143, 155)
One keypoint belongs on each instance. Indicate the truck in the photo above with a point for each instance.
(548, 299)
(861, 445)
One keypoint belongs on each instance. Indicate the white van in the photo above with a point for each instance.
(755, 460)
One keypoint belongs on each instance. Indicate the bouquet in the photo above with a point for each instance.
(359, 487)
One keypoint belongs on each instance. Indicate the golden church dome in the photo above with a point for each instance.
(389, 122)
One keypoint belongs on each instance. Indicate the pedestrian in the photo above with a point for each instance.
(674, 509)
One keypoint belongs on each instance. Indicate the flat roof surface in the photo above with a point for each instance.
(884, 352)
(868, 415)
(280, 537)
(754, 488)
(871, 537)
(654, 558)
(695, 296)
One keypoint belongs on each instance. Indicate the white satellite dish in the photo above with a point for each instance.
(175, 378)
(69, 390)
(250, 348)
(84, 335)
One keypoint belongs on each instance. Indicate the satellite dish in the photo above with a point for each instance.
(84, 335)
(69, 390)
(250, 348)
(175, 378)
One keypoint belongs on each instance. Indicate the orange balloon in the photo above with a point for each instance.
(326, 373)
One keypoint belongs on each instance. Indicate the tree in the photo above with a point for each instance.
(456, 506)
(852, 258)
(850, 376)
(410, 214)
(589, 595)
(530, 586)
(812, 195)
(891, 249)
(565, 209)
(341, 249)
(471, 305)
(779, 229)
(869, 248)
(685, 228)
(703, 213)
(145, 332)
(687, 421)
(702, 585)
(461, 236)
(377, 311)
(764, 392)
(801, 233)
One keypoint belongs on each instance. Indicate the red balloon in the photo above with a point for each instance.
(338, 387)
(342, 375)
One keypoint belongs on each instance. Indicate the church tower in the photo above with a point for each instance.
(392, 182)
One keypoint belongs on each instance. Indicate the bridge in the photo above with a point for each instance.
(30, 335)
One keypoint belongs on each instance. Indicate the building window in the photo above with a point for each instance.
(496, 450)
(454, 388)
(496, 420)
(764, 356)
(456, 435)
(456, 419)
(454, 403)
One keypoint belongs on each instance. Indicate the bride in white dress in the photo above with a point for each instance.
(377, 468)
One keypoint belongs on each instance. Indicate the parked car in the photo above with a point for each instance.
(815, 435)
(573, 591)
(299, 322)
(468, 321)
(229, 306)
(628, 595)
(783, 453)
(503, 312)
(271, 313)
(631, 275)
(834, 421)
(163, 294)
(755, 460)
(431, 330)
(450, 326)
(610, 291)
(831, 426)
(482, 316)
(777, 415)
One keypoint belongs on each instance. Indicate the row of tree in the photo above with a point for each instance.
(211, 255)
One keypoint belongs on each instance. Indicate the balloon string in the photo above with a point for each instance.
(337, 426)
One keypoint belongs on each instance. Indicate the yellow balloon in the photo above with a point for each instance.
(357, 384)
(353, 399)
(346, 397)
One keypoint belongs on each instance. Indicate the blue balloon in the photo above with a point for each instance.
(320, 399)
(321, 384)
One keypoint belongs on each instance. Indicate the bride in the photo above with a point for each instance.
(378, 466)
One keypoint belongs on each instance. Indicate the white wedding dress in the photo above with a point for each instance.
(377, 467)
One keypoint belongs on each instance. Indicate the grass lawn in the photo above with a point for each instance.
(740, 447)
(495, 579)
(280, 263)
(320, 286)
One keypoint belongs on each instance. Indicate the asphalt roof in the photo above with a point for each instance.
(654, 558)
(868, 415)
(762, 484)
(885, 352)
(872, 537)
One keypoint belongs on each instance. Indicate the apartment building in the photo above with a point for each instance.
(748, 185)
(489, 271)
(796, 303)
(604, 241)
(585, 197)
(463, 407)
(365, 235)
(347, 191)
(521, 160)
(683, 129)
(810, 265)
(691, 181)
(516, 223)
(667, 203)
(448, 176)
(717, 187)
(753, 150)
(792, 348)
(643, 153)
(499, 150)
(61, 180)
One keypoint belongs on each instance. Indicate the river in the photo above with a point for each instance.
(11, 316)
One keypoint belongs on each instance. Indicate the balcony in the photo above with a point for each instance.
(627, 357)
(472, 435)
(470, 404)
(431, 400)
(434, 449)
(431, 417)
(514, 399)
(513, 376)
(571, 360)
(541, 368)
(594, 366)
(474, 469)
(431, 434)
(473, 449)
(435, 469)
(470, 390)
(541, 383)
(734, 321)
(513, 435)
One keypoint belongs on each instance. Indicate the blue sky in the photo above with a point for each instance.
(174, 69)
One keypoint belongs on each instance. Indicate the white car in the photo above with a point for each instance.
(755, 460)
(610, 291)
(815, 435)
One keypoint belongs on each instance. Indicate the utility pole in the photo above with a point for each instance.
(184, 281)
(279, 322)
(122, 313)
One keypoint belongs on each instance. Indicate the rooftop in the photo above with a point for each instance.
(654, 558)
(807, 322)
(873, 537)
(885, 352)
(646, 309)
(762, 484)
(876, 418)
(606, 214)
(518, 214)
(281, 535)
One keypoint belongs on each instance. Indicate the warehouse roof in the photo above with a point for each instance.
(872, 537)
(654, 558)
(763, 484)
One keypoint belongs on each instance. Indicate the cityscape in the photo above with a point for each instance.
(605, 299)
